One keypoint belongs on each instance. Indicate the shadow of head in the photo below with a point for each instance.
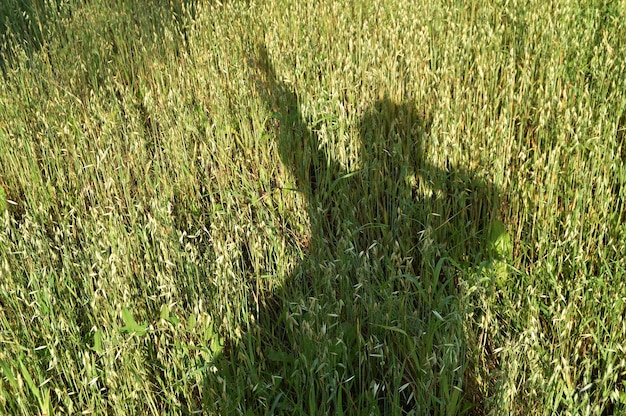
(431, 209)
(393, 131)
(392, 139)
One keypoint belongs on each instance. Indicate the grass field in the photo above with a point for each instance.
(273, 207)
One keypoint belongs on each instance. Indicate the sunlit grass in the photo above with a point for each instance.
(312, 208)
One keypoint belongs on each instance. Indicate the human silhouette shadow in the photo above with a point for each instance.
(372, 276)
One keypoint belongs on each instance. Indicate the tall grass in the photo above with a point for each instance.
(312, 208)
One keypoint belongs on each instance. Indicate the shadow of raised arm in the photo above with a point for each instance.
(297, 145)
(300, 151)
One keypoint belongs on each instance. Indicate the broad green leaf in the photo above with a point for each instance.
(500, 250)
(165, 315)
(97, 342)
(132, 327)
(215, 342)
(191, 322)
(499, 241)
(165, 312)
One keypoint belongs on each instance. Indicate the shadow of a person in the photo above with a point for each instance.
(353, 326)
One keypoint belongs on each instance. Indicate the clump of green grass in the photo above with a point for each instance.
(313, 208)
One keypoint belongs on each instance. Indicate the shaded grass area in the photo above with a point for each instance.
(25, 23)
(31, 26)
(370, 320)
(312, 208)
